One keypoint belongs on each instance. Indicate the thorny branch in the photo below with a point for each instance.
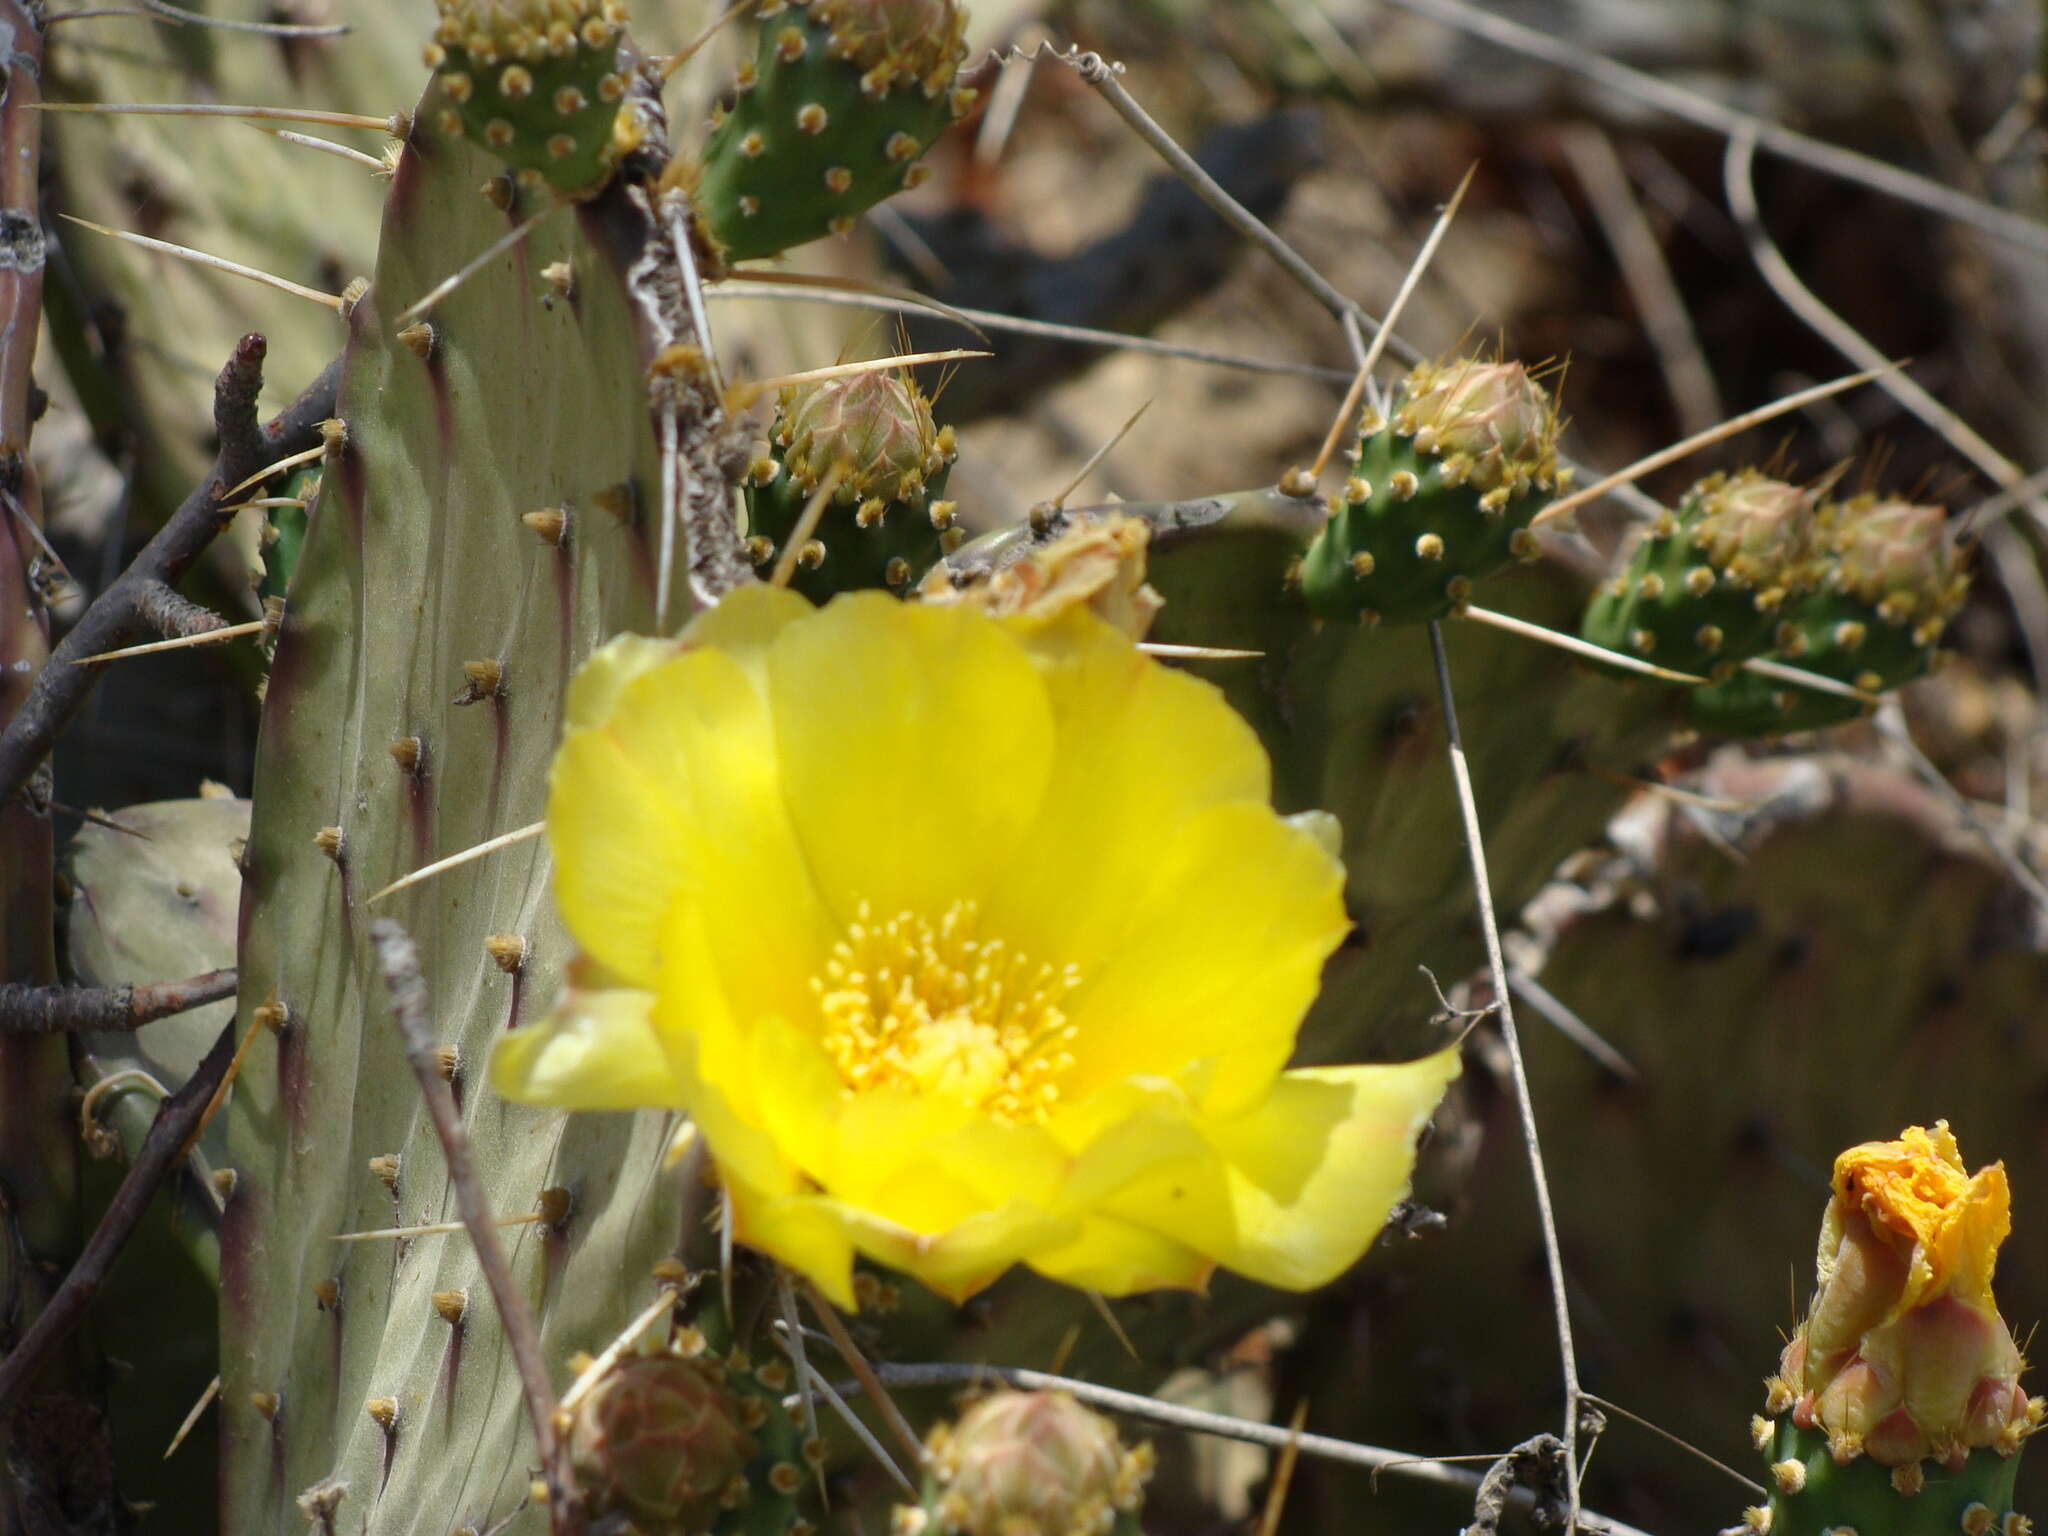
(161, 1149)
(1151, 1410)
(32, 1010)
(1461, 776)
(116, 616)
(398, 958)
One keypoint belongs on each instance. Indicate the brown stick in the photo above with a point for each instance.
(399, 959)
(115, 617)
(30, 1010)
(159, 1153)
(171, 614)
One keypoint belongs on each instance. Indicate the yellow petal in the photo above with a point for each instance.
(674, 801)
(914, 744)
(969, 1255)
(592, 1050)
(1119, 1258)
(594, 690)
(745, 623)
(1141, 749)
(1224, 954)
(801, 1230)
(1295, 1190)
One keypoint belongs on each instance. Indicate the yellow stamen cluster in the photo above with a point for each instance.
(937, 1008)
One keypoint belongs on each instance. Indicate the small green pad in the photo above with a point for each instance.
(536, 82)
(1862, 1497)
(1442, 495)
(884, 526)
(1706, 586)
(844, 97)
(1893, 581)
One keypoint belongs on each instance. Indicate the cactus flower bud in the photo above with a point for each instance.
(659, 1441)
(879, 425)
(1033, 1464)
(886, 525)
(1903, 1355)
(1754, 528)
(1896, 556)
(1492, 413)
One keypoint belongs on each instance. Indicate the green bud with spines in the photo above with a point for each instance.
(536, 82)
(1028, 1464)
(1707, 585)
(1890, 580)
(843, 99)
(885, 524)
(1441, 497)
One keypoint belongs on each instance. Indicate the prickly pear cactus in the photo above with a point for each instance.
(1707, 585)
(1441, 495)
(538, 83)
(842, 99)
(154, 898)
(884, 524)
(1352, 719)
(1772, 1037)
(1892, 579)
(413, 706)
(136, 330)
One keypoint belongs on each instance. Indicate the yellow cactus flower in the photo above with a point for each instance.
(964, 944)
(1903, 1355)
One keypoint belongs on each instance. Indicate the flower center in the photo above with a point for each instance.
(938, 1008)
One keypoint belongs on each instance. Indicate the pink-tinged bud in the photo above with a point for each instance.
(1897, 556)
(1492, 414)
(1033, 1464)
(1758, 529)
(877, 425)
(1903, 1355)
(658, 1440)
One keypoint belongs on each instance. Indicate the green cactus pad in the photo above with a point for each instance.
(1441, 497)
(1706, 587)
(1863, 1497)
(884, 526)
(843, 99)
(421, 581)
(536, 82)
(1892, 583)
